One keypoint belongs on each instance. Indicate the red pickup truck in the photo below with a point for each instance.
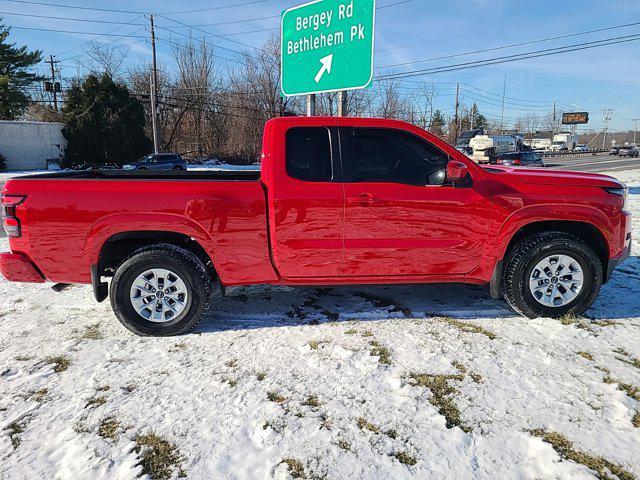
(338, 201)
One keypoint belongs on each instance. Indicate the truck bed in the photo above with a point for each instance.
(226, 175)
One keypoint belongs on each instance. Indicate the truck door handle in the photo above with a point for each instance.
(363, 198)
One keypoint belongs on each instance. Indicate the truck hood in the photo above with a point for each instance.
(537, 176)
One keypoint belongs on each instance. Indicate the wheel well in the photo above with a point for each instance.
(585, 231)
(120, 246)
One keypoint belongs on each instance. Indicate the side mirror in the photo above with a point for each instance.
(456, 171)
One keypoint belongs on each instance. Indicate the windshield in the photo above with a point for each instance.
(145, 159)
(558, 143)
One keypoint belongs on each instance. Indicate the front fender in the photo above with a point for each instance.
(550, 212)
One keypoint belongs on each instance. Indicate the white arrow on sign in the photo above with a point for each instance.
(326, 67)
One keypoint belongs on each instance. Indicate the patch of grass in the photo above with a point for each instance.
(406, 458)
(260, 376)
(631, 390)
(158, 457)
(635, 421)
(103, 388)
(568, 318)
(130, 387)
(95, 401)
(60, 363)
(232, 363)
(565, 449)
(24, 358)
(176, 347)
(586, 355)
(459, 366)
(92, 332)
(108, 428)
(605, 323)
(441, 393)
(312, 401)
(383, 353)
(364, 424)
(391, 433)
(468, 327)
(314, 344)
(634, 362)
(367, 333)
(38, 395)
(231, 381)
(344, 445)
(15, 429)
(296, 469)
(275, 397)
(476, 377)
(351, 331)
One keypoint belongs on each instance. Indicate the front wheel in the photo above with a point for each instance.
(551, 274)
(161, 290)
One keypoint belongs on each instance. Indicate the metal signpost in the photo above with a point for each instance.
(327, 46)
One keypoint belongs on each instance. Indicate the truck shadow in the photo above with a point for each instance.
(634, 190)
(267, 306)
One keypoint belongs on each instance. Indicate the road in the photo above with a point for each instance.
(603, 163)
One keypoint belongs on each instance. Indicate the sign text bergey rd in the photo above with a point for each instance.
(327, 46)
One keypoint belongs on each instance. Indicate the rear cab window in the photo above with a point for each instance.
(308, 154)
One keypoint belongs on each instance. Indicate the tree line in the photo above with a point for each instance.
(206, 109)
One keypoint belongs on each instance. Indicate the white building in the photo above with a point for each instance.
(30, 145)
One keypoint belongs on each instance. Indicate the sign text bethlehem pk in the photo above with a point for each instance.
(316, 40)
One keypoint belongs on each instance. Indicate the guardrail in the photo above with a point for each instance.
(572, 154)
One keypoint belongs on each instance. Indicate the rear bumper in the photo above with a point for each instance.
(16, 267)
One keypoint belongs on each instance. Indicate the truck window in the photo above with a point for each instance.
(308, 154)
(387, 155)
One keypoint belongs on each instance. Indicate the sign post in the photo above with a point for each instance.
(327, 46)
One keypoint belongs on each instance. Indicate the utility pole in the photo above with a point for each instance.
(504, 93)
(54, 90)
(311, 105)
(455, 131)
(553, 129)
(635, 128)
(342, 103)
(606, 116)
(154, 91)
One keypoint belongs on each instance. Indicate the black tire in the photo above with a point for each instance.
(195, 275)
(526, 255)
(178, 167)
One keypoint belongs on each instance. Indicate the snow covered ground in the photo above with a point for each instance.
(432, 381)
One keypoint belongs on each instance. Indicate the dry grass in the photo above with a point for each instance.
(406, 458)
(604, 469)
(92, 332)
(232, 363)
(468, 327)
(38, 395)
(15, 429)
(60, 363)
(367, 333)
(314, 344)
(296, 469)
(441, 396)
(260, 376)
(383, 353)
(586, 355)
(312, 401)
(364, 424)
(344, 445)
(158, 457)
(351, 331)
(24, 358)
(95, 401)
(634, 362)
(631, 390)
(108, 428)
(476, 377)
(275, 397)
(635, 421)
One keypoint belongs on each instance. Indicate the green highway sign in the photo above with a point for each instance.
(327, 45)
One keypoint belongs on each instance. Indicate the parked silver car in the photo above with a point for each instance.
(628, 151)
(159, 161)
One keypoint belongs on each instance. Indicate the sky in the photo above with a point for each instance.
(406, 31)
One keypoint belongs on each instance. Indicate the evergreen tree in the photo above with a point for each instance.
(15, 76)
(104, 123)
(437, 123)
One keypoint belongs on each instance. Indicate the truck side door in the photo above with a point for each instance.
(306, 200)
(401, 216)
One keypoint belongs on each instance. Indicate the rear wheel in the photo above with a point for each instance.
(551, 274)
(161, 290)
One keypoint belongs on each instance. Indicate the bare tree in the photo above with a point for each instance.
(423, 97)
(104, 59)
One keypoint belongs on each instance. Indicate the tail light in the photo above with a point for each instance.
(499, 161)
(10, 220)
(517, 161)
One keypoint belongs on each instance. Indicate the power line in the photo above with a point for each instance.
(513, 58)
(75, 32)
(513, 45)
(78, 7)
(181, 45)
(72, 19)
(251, 2)
(209, 33)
